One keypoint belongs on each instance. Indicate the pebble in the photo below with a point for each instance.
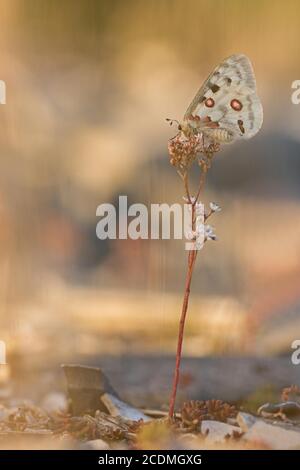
(274, 437)
(117, 407)
(216, 431)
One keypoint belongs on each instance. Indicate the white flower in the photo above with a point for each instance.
(214, 207)
(201, 232)
(209, 233)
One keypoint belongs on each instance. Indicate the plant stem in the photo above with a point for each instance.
(191, 263)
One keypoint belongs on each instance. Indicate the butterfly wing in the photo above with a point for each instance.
(228, 100)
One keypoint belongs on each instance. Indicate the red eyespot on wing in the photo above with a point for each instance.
(236, 104)
(209, 102)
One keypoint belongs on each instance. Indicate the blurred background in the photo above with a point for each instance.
(89, 85)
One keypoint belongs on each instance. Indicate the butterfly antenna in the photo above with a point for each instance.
(171, 121)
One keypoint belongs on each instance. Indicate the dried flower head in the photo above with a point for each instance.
(195, 411)
(184, 151)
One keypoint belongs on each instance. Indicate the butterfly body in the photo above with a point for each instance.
(213, 133)
(226, 107)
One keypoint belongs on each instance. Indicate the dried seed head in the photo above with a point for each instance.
(195, 411)
(183, 151)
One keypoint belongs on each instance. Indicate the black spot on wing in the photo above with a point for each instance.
(241, 126)
(214, 88)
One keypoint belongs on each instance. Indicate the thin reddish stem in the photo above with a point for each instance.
(186, 187)
(191, 263)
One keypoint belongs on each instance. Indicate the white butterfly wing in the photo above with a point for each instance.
(228, 100)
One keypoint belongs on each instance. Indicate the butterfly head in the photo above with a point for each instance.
(171, 122)
(186, 129)
(183, 127)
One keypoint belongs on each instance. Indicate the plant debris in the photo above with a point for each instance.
(194, 412)
(25, 417)
(290, 393)
(87, 427)
(288, 410)
(199, 425)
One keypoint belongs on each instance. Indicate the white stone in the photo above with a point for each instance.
(274, 437)
(117, 407)
(217, 431)
(95, 444)
(245, 421)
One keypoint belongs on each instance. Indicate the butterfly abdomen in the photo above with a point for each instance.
(220, 135)
(208, 128)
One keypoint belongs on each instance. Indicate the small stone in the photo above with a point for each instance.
(117, 407)
(85, 387)
(217, 432)
(95, 444)
(245, 421)
(273, 437)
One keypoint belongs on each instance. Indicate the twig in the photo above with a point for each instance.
(158, 413)
(201, 184)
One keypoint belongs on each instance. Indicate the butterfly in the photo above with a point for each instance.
(226, 107)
